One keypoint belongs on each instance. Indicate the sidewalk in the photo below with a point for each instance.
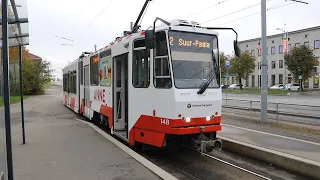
(59, 147)
(269, 138)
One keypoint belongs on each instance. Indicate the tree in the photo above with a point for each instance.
(223, 58)
(300, 61)
(241, 67)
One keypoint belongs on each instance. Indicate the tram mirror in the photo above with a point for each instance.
(236, 48)
(149, 39)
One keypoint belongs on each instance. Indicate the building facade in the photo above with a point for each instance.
(277, 73)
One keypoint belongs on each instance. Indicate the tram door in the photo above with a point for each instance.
(120, 95)
(86, 92)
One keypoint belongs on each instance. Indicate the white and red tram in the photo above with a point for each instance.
(155, 87)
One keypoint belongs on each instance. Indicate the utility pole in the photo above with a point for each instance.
(264, 63)
(95, 47)
(264, 75)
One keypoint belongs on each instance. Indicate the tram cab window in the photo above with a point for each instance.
(94, 70)
(162, 75)
(140, 65)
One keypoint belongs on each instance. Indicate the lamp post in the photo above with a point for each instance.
(284, 51)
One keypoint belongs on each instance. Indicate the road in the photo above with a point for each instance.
(292, 99)
(243, 101)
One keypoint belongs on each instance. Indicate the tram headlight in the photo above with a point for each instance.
(208, 118)
(188, 119)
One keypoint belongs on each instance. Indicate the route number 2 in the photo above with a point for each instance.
(164, 121)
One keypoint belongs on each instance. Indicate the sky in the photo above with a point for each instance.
(98, 22)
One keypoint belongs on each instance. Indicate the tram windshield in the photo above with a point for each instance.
(193, 59)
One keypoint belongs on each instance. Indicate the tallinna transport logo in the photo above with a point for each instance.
(189, 105)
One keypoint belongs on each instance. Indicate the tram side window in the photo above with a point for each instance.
(94, 70)
(64, 82)
(74, 82)
(162, 75)
(69, 82)
(81, 72)
(105, 68)
(140, 65)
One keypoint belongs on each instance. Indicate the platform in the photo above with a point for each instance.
(60, 147)
(297, 147)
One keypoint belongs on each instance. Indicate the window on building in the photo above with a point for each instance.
(140, 65)
(305, 36)
(280, 78)
(105, 68)
(306, 44)
(297, 45)
(289, 47)
(273, 64)
(273, 50)
(273, 79)
(280, 63)
(280, 49)
(253, 53)
(316, 81)
(252, 80)
(94, 70)
(232, 80)
(316, 44)
(162, 75)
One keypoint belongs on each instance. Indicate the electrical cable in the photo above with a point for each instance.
(108, 5)
(208, 8)
(271, 8)
(248, 7)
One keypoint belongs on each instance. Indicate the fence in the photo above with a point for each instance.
(301, 113)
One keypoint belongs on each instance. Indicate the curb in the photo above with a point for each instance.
(148, 164)
(290, 162)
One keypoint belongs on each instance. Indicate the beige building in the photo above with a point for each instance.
(277, 73)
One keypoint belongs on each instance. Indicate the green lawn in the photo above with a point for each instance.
(254, 91)
(13, 99)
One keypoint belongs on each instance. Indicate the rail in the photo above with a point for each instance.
(308, 114)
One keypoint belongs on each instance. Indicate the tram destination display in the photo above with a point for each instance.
(192, 42)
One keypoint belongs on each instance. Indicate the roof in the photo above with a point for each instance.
(32, 56)
(281, 34)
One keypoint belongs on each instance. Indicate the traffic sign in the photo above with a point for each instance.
(300, 77)
(227, 62)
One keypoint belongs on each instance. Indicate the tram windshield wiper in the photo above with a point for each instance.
(213, 74)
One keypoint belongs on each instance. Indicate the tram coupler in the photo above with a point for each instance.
(208, 146)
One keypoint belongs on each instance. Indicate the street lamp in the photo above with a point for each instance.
(284, 38)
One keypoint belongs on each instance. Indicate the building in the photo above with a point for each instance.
(277, 73)
(33, 57)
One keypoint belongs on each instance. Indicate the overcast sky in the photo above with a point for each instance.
(80, 21)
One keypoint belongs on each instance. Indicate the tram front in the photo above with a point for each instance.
(194, 67)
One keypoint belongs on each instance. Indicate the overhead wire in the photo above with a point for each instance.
(271, 8)
(219, 3)
(105, 8)
(228, 14)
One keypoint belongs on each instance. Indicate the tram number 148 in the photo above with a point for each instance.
(164, 121)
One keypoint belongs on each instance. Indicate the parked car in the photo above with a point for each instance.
(293, 87)
(235, 86)
(224, 86)
(277, 87)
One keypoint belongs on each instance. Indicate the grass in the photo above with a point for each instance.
(254, 91)
(13, 99)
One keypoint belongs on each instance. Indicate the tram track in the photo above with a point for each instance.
(194, 165)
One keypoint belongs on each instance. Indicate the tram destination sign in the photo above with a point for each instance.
(192, 42)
